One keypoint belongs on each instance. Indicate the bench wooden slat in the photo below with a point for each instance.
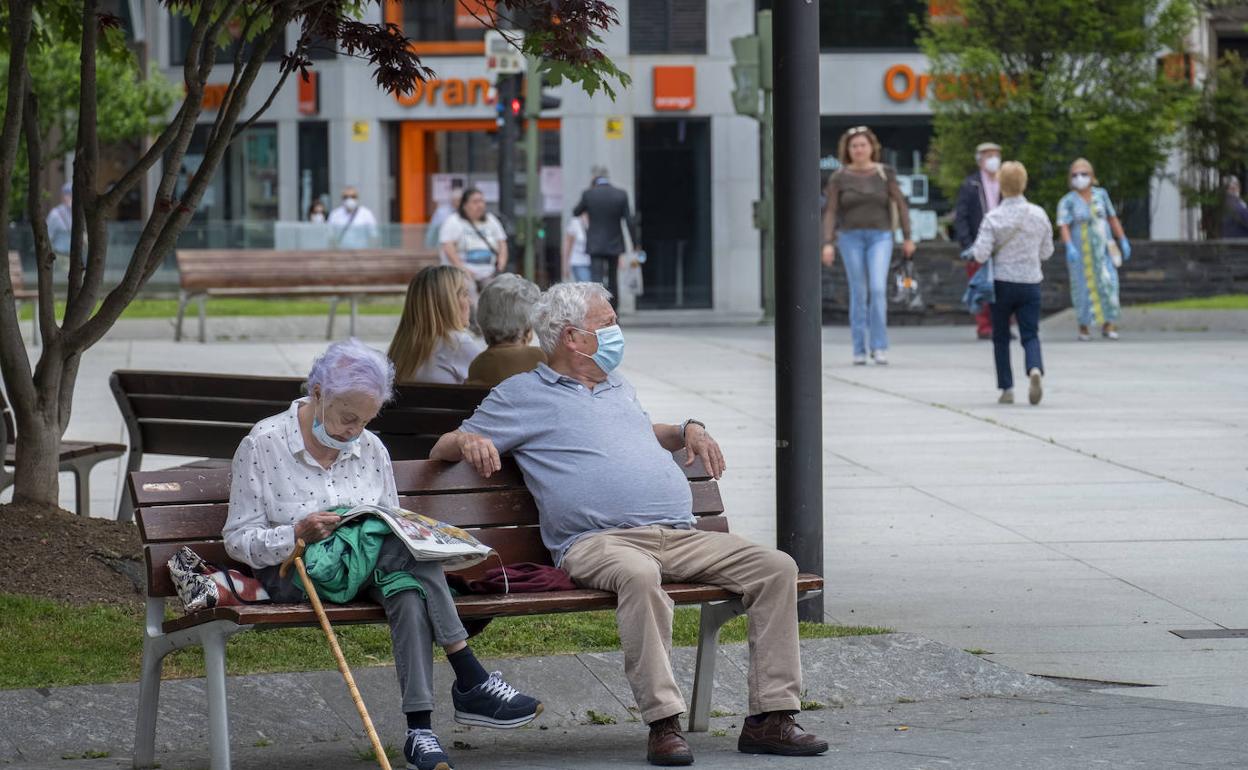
(471, 510)
(136, 382)
(471, 606)
(243, 271)
(514, 543)
(193, 486)
(215, 409)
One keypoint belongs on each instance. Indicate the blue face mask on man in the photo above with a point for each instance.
(322, 435)
(610, 350)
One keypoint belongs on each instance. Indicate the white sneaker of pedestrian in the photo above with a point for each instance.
(860, 359)
(880, 357)
(1035, 388)
(1007, 397)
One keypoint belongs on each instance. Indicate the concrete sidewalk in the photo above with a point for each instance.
(894, 701)
(1065, 540)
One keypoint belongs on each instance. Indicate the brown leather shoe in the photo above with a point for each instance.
(778, 733)
(666, 746)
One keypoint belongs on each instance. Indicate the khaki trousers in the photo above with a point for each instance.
(634, 563)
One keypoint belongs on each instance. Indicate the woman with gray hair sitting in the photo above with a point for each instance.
(504, 317)
(289, 474)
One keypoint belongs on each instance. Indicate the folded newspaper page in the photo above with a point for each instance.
(428, 539)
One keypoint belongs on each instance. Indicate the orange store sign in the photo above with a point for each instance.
(452, 92)
(674, 88)
(902, 83)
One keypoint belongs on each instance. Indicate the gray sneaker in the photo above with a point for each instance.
(1007, 397)
(1035, 387)
(494, 703)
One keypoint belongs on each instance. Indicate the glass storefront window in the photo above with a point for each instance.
(245, 186)
(667, 26)
(879, 24)
(180, 38)
(458, 21)
(905, 142)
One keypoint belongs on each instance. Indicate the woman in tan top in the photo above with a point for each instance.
(503, 314)
(865, 206)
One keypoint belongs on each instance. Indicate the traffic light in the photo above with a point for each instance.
(516, 106)
(746, 74)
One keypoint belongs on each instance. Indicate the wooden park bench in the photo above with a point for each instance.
(77, 457)
(205, 416)
(204, 273)
(22, 295)
(188, 507)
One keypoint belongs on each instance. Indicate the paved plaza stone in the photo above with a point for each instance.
(1066, 540)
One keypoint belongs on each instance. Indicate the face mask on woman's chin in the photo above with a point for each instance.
(318, 216)
(321, 434)
(1080, 181)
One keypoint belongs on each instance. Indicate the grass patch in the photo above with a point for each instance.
(64, 645)
(1223, 302)
(88, 754)
(370, 755)
(237, 306)
(598, 718)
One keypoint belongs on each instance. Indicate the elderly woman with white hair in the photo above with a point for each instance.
(288, 476)
(503, 315)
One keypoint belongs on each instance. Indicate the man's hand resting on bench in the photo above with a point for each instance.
(478, 451)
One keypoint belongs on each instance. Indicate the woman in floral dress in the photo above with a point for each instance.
(1095, 247)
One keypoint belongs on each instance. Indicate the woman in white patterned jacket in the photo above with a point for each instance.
(1017, 236)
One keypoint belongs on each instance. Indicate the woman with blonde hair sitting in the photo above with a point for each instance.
(432, 343)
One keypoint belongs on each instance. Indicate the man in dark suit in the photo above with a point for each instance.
(609, 213)
(979, 194)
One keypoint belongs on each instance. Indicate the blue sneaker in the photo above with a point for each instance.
(494, 703)
(423, 752)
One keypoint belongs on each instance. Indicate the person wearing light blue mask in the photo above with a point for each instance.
(615, 510)
(289, 475)
(609, 351)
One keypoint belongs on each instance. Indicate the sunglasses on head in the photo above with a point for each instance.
(857, 130)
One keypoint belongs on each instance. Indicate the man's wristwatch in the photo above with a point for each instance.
(685, 425)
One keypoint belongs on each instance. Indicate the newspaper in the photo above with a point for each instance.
(427, 538)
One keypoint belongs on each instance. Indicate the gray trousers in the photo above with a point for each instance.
(416, 621)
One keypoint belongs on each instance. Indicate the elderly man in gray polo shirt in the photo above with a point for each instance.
(616, 513)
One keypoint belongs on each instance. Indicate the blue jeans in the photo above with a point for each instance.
(866, 255)
(581, 273)
(1021, 300)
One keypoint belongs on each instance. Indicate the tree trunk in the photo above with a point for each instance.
(38, 451)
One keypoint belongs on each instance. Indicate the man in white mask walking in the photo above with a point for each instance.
(979, 194)
(351, 225)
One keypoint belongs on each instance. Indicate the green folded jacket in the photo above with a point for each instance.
(343, 563)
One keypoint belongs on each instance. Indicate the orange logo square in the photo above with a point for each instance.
(674, 88)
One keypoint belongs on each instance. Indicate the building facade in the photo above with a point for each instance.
(672, 139)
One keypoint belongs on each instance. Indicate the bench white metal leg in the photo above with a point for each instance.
(218, 710)
(355, 312)
(333, 310)
(713, 616)
(156, 645)
(203, 317)
(183, 298)
(81, 468)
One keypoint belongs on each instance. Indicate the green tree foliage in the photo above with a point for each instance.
(1216, 143)
(131, 106)
(1052, 80)
(43, 41)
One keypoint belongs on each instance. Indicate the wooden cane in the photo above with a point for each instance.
(297, 558)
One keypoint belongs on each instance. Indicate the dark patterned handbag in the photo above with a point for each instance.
(202, 585)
